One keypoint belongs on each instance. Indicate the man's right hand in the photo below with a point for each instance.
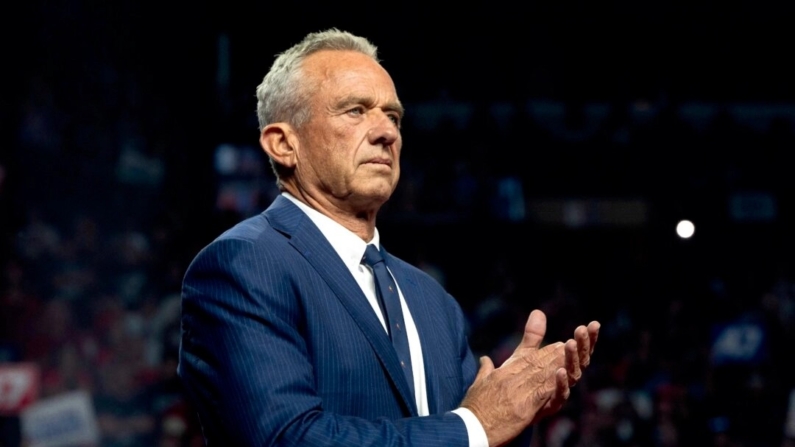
(533, 383)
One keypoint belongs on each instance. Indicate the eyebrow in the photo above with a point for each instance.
(392, 106)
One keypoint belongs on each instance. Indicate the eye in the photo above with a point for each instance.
(356, 111)
(395, 118)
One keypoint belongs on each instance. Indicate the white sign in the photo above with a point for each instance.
(61, 421)
(739, 343)
(19, 386)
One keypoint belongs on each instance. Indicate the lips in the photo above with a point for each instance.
(380, 161)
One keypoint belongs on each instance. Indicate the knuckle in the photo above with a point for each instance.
(539, 395)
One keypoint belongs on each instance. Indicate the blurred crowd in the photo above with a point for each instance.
(98, 311)
(91, 283)
(104, 201)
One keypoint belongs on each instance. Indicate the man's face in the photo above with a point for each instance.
(349, 150)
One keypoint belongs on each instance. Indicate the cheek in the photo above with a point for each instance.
(398, 149)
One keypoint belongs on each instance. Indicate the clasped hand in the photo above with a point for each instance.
(533, 383)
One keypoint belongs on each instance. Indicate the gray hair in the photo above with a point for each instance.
(283, 96)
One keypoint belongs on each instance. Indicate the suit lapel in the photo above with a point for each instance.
(305, 237)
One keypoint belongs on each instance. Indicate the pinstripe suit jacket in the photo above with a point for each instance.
(280, 346)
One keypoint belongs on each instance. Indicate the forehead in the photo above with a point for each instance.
(347, 71)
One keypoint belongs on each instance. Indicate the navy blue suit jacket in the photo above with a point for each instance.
(281, 347)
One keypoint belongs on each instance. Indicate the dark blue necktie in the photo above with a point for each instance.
(389, 300)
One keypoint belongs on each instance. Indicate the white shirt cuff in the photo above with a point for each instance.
(475, 432)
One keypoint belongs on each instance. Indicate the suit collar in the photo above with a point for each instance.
(349, 246)
(285, 217)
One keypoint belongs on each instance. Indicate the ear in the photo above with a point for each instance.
(279, 141)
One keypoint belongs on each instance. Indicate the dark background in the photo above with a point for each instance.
(549, 151)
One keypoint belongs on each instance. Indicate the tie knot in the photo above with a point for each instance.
(372, 256)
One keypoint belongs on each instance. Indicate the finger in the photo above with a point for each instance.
(593, 334)
(486, 367)
(583, 346)
(534, 330)
(544, 373)
(562, 390)
(555, 397)
(573, 369)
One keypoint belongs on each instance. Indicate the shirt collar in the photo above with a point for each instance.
(348, 246)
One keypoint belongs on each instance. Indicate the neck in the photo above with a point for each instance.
(359, 220)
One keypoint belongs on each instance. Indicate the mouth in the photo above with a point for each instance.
(380, 161)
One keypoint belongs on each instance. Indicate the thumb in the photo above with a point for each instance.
(486, 367)
(534, 330)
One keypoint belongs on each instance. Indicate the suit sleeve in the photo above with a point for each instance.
(245, 363)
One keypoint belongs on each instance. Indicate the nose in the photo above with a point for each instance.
(384, 131)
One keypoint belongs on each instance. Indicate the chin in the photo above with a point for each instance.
(372, 198)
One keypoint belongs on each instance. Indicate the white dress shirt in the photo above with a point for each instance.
(350, 248)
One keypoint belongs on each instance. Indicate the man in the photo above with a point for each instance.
(288, 334)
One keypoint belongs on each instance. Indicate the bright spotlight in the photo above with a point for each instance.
(685, 229)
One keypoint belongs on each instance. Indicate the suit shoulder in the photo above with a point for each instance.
(251, 236)
(251, 229)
